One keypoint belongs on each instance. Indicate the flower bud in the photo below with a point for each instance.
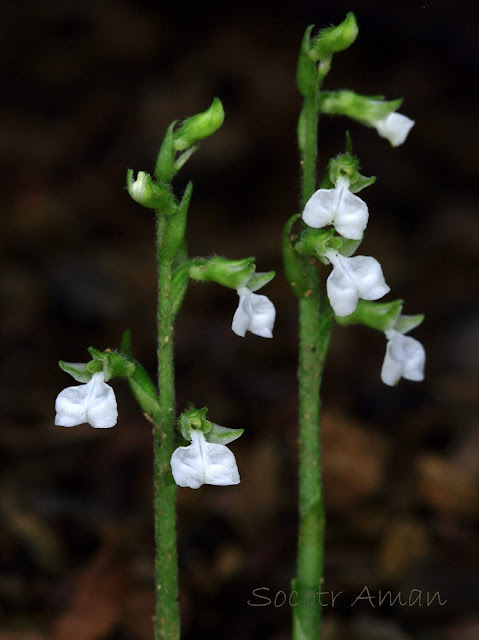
(334, 39)
(199, 126)
(365, 109)
(229, 273)
(149, 194)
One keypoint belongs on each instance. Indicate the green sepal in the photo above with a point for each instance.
(229, 273)
(404, 324)
(381, 316)
(150, 194)
(361, 183)
(125, 344)
(165, 161)
(195, 419)
(347, 165)
(306, 77)
(78, 370)
(295, 266)
(259, 280)
(222, 435)
(115, 364)
(365, 109)
(199, 126)
(179, 285)
(176, 226)
(334, 39)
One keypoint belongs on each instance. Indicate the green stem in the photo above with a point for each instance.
(167, 619)
(315, 331)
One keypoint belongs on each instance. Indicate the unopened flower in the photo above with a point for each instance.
(352, 279)
(93, 402)
(405, 358)
(255, 313)
(203, 462)
(339, 207)
(394, 127)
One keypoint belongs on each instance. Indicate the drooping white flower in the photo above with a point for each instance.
(405, 358)
(394, 127)
(351, 279)
(255, 313)
(339, 207)
(93, 402)
(203, 462)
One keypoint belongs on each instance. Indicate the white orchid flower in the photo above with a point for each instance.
(203, 462)
(339, 207)
(394, 127)
(93, 402)
(405, 358)
(255, 313)
(352, 279)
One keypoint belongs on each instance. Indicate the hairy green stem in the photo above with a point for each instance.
(315, 330)
(167, 618)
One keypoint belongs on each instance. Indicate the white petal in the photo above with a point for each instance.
(255, 313)
(203, 463)
(93, 402)
(320, 208)
(368, 277)
(102, 412)
(352, 216)
(342, 291)
(394, 127)
(70, 406)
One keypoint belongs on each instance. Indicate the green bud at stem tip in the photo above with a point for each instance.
(199, 126)
(334, 39)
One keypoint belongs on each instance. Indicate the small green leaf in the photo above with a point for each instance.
(179, 284)
(306, 77)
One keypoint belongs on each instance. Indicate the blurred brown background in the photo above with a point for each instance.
(88, 91)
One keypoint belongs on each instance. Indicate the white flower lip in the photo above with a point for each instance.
(405, 358)
(138, 186)
(255, 313)
(93, 402)
(203, 462)
(395, 127)
(351, 279)
(339, 207)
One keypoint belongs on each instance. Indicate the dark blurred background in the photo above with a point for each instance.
(88, 90)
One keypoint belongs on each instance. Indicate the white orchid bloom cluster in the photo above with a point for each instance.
(361, 277)
(93, 402)
(207, 460)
